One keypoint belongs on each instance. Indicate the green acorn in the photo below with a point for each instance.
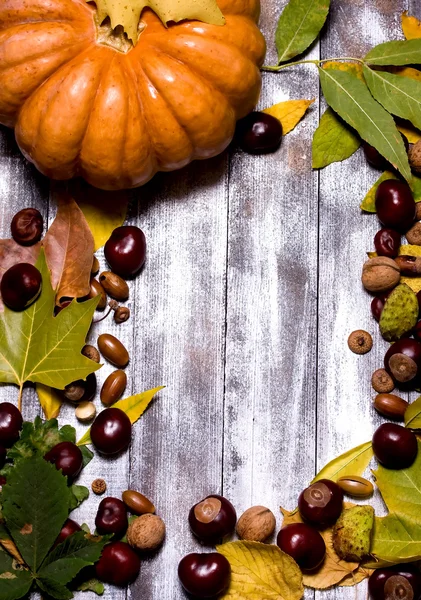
(400, 313)
(352, 533)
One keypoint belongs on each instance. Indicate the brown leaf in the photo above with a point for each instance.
(334, 569)
(12, 253)
(69, 246)
(10, 547)
(356, 577)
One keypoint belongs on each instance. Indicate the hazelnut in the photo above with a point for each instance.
(360, 342)
(99, 486)
(146, 532)
(413, 235)
(256, 524)
(414, 155)
(382, 381)
(91, 352)
(380, 274)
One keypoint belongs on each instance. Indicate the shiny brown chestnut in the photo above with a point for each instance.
(118, 565)
(111, 431)
(387, 242)
(125, 251)
(111, 517)
(20, 286)
(304, 544)
(212, 519)
(394, 446)
(321, 503)
(204, 575)
(10, 424)
(27, 226)
(403, 360)
(402, 582)
(259, 133)
(395, 205)
(69, 528)
(67, 458)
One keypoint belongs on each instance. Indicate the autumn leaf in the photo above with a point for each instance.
(411, 26)
(50, 401)
(261, 572)
(356, 577)
(133, 406)
(333, 141)
(104, 211)
(289, 113)
(413, 415)
(413, 282)
(412, 134)
(127, 12)
(69, 247)
(348, 67)
(12, 253)
(352, 462)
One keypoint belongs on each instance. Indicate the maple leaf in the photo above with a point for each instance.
(127, 12)
(36, 346)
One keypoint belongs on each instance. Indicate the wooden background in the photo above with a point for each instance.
(250, 290)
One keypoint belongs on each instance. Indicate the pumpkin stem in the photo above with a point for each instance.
(114, 38)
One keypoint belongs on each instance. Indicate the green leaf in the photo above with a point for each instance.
(70, 557)
(400, 96)
(36, 346)
(399, 53)
(298, 26)
(350, 98)
(35, 506)
(396, 539)
(87, 456)
(54, 589)
(369, 202)
(333, 141)
(92, 585)
(353, 462)
(413, 415)
(78, 494)
(134, 407)
(14, 581)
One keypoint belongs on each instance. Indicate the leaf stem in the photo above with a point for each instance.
(276, 68)
(20, 397)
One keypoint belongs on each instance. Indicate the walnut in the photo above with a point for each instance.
(418, 211)
(256, 524)
(414, 155)
(413, 235)
(380, 274)
(98, 486)
(360, 342)
(146, 532)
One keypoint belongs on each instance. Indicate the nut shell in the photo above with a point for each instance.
(380, 274)
(256, 524)
(146, 532)
(85, 412)
(99, 486)
(414, 155)
(413, 235)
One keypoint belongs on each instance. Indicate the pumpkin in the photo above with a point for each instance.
(85, 102)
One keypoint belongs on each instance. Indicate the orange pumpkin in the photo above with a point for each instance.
(83, 105)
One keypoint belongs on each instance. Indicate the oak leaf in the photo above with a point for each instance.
(69, 247)
(289, 113)
(411, 26)
(127, 12)
(261, 572)
(12, 253)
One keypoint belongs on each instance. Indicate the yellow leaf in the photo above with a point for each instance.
(261, 572)
(127, 12)
(356, 577)
(134, 407)
(104, 211)
(412, 134)
(50, 401)
(289, 113)
(352, 462)
(350, 67)
(406, 72)
(413, 282)
(411, 26)
(334, 569)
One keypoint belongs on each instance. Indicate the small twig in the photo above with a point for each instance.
(276, 68)
(20, 397)
(113, 306)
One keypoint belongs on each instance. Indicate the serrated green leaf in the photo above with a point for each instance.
(14, 582)
(401, 96)
(78, 494)
(413, 415)
(351, 99)
(352, 462)
(35, 506)
(92, 585)
(397, 53)
(39, 437)
(333, 141)
(36, 346)
(54, 589)
(133, 406)
(369, 202)
(87, 456)
(70, 557)
(298, 26)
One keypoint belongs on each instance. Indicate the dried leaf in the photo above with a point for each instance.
(127, 13)
(411, 26)
(134, 407)
(333, 141)
(352, 462)
(50, 401)
(261, 572)
(369, 202)
(103, 211)
(351, 99)
(333, 569)
(69, 246)
(289, 113)
(413, 282)
(12, 253)
(298, 26)
(356, 577)
(412, 134)
(398, 53)
(413, 415)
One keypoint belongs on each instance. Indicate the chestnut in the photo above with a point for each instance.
(3, 456)
(111, 431)
(387, 242)
(321, 503)
(395, 205)
(111, 517)
(69, 528)
(118, 565)
(125, 251)
(10, 424)
(377, 306)
(67, 457)
(394, 446)
(212, 519)
(204, 575)
(259, 133)
(402, 582)
(403, 360)
(27, 226)
(304, 544)
(20, 286)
